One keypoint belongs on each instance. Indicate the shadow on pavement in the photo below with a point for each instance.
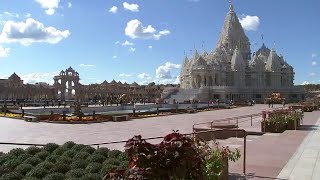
(234, 176)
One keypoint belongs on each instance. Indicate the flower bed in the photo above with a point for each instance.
(74, 161)
(176, 157)
(280, 120)
(11, 115)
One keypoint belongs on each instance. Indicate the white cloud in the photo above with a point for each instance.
(127, 43)
(11, 14)
(32, 78)
(31, 31)
(86, 65)
(27, 15)
(49, 5)
(113, 9)
(69, 4)
(305, 83)
(144, 76)
(131, 7)
(114, 57)
(314, 55)
(314, 63)
(250, 23)
(117, 42)
(125, 75)
(164, 71)
(4, 52)
(132, 49)
(312, 74)
(193, 0)
(135, 29)
(150, 47)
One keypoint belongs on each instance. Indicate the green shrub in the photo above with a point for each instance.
(78, 147)
(88, 149)
(12, 176)
(11, 164)
(91, 176)
(96, 158)
(16, 151)
(112, 161)
(123, 156)
(60, 168)
(68, 144)
(64, 160)
(72, 178)
(114, 153)
(23, 157)
(6, 157)
(79, 164)
(45, 164)
(4, 170)
(24, 168)
(30, 178)
(52, 158)
(37, 172)
(50, 147)
(93, 167)
(33, 161)
(103, 151)
(33, 150)
(124, 164)
(59, 151)
(81, 155)
(75, 173)
(106, 168)
(54, 176)
(42, 155)
(70, 153)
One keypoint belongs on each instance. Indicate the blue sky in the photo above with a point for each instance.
(145, 40)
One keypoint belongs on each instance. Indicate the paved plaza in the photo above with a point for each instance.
(12, 130)
(290, 155)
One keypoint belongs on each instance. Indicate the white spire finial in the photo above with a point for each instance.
(231, 6)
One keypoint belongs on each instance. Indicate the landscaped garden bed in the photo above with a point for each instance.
(280, 120)
(68, 161)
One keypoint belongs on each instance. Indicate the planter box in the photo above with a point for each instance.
(272, 128)
(225, 171)
(291, 124)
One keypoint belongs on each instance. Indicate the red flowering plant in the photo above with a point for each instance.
(175, 157)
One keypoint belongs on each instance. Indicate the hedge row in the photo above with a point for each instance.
(54, 162)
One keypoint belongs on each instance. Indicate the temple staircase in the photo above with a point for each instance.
(182, 95)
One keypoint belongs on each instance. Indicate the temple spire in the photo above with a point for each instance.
(231, 6)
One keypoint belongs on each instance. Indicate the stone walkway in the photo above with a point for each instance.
(12, 130)
(267, 155)
(305, 163)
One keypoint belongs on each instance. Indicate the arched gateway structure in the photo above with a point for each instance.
(231, 72)
(66, 84)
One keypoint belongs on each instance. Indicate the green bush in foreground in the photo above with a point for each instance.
(12, 176)
(24, 156)
(93, 167)
(60, 168)
(75, 173)
(42, 155)
(112, 161)
(6, 157)
(91, 176)
(78, 147)
(50, 147)
(96, 158)
(33, 150)
(79, 164)
(16, 151)
(11, 164)
(24, 168)
(59, 151)
(70, 153)
(103, 151)
(114, 153)
(88, 149)
(68, 145)
(64, 160)
(54, 176)
(37, 172)
(46, 165)
(81, 155)
(52, 158)
(33, 161)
